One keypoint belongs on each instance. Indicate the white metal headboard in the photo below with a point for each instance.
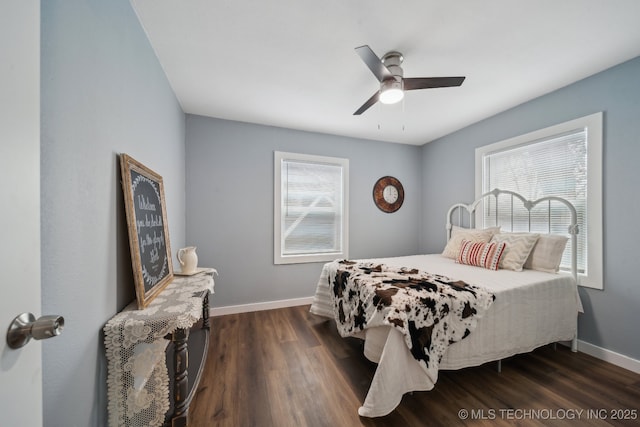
(527, 204)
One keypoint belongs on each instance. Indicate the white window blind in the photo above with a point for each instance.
(556, 166)
(310, 215)
(564, 160)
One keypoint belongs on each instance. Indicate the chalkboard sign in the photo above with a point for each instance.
(148, 231)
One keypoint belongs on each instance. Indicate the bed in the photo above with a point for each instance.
(528, 307)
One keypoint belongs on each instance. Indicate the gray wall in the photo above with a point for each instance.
(230, 204)
(611, 316)
(103, 93)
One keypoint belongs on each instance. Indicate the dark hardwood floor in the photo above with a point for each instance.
(287, 367)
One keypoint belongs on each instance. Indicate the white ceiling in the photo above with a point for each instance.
(292, 64)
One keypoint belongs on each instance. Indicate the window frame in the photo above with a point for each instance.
(278, 256)
(593, 278)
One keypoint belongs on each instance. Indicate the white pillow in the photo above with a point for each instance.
(547, 253)
(519, 246)
(458, 234)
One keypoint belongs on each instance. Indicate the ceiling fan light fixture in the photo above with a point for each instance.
(391, 91)
(389, 73)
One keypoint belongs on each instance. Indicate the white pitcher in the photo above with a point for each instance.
(188, 259)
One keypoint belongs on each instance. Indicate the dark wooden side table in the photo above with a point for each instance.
(186, 354)
(155, 356)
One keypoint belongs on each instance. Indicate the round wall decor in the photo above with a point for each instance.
(388, 194)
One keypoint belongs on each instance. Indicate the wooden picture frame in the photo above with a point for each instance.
(148, 230)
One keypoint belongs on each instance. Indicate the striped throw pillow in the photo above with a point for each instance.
(485, 255)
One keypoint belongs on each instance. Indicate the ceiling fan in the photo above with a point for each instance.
(392, 83)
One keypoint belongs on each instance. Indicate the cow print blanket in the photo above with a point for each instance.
(430, 310)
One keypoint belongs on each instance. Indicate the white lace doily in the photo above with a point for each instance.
(137, 379)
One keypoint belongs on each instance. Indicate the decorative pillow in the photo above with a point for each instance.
(547, 253)
(485, 255)
(458, 234)
(519, 246)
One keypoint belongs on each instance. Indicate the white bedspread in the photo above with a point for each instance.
(531, 309)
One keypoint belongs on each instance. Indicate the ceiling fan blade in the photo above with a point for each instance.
(368, 104)
(374, 63)
(431, 82)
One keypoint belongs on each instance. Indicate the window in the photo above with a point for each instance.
(310, 208)
(563, 160)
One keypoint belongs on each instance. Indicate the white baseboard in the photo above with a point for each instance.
(259, 306)
(612, 357)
